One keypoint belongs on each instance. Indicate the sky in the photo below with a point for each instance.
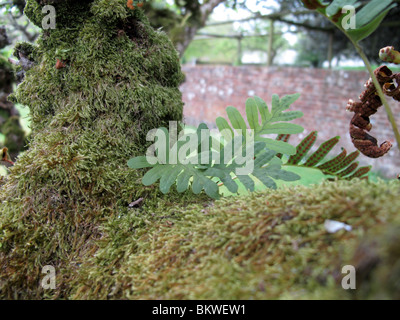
(221, 13)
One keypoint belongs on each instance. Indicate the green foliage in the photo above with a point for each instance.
(341, 166)
(228, 50)
(367, 18)
(273, 121)
(216, 50)
(205, 165)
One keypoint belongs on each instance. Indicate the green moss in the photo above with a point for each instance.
(66, 201)
(120, 80)
(69, 13)
(27, 48)
(377, 261)
(269, 245)
(261, 246)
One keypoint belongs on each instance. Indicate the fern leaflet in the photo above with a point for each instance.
(342, 166)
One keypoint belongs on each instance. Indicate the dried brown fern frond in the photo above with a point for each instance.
(367, 106)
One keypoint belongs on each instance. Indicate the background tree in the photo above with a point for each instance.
(320, 41)
(18, 26)
(10, 127)
(387, 34)
(182, 20)
(314, 47)
(227, 43)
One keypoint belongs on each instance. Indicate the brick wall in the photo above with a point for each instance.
(208, 90)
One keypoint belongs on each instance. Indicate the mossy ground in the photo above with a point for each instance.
(268, 245)
(65, 202)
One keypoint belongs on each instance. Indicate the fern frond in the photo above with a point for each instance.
(334, 163)
(348, 170)
(273, 121)
(303, 147)
(346, 162)
(200, 169)
(360, 173)
(340, 166)
(321, 152)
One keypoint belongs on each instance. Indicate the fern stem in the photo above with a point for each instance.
(374, 80)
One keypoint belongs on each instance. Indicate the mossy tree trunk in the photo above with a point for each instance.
(116, 78)
(180, 23)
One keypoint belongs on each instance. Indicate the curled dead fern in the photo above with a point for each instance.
(366, 107)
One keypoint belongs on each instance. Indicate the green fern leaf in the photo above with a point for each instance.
(153, 175)
(275, 104)
(140, 162)
(360, 173)
(236, 119)
(284, 138)
(289, 116)
(200, 172)
(337, 6)
(287, 100)
(265, 179)
(281, 128)
(329, 165)
(303, 147)
(182, 183)
(262, 108)
(278, 146)
(252, 114)
(247, 182)
(224, 127)
(348, 170)
(274, 122)
(168, 178)
(367, 18)
(347, 161)
(321, 152)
